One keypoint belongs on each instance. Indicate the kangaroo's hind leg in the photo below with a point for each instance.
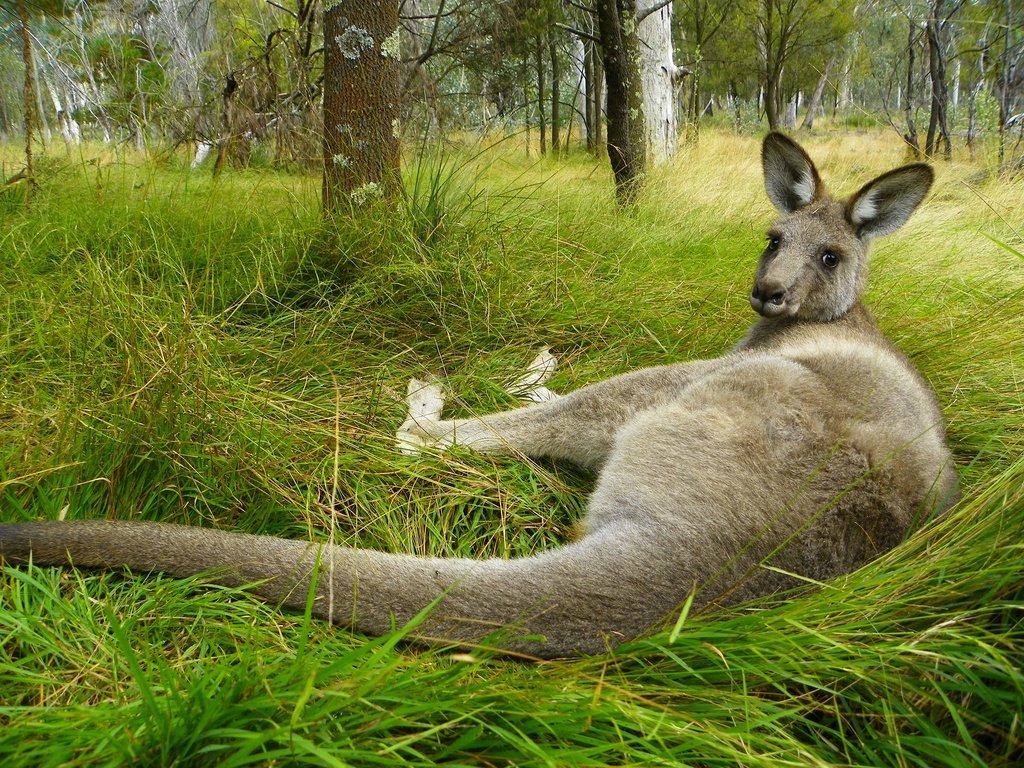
(425, 400)
(529, 387)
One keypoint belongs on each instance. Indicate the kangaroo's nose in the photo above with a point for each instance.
(768, 298)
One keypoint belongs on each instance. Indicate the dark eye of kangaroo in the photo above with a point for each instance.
(830, 260)
(773, 243)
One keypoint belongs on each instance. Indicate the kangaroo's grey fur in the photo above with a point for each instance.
(809, 448)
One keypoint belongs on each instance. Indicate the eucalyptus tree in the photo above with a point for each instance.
(698, 28)
(24, 11)
(787, 34)
(534, 28)
(361, 102)
(620, 53)
(937, 33)
(1009, 69)
(177, 35)
(660, 78)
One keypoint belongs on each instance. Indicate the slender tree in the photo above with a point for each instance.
(936, 31)
(913, 142)
(616, 22)
(785, 31)
(556, 92)
(1010, 74)
(24, 10)
(698, 24)
(538, 53)
(28, 62)
(815, 103)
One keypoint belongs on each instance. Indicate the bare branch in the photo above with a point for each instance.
(279, 7)
(653, 9)
(577, 32)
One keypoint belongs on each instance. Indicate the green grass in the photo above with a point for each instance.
(179, 349)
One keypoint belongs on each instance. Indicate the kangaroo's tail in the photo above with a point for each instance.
(581, 598)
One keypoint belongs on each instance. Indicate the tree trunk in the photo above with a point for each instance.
(938, 124)
(771, 103)
(634, 90)
(30, 87)
(556, 95)
(792, 103)
(972, 116)
(1004, 91)
(5, 121)
(908, 105)
(227, 119)
(626, 151)
(955, 98)
(815, 103)
(694, 100)
(541, 117)
(584, 58)
(659, 76)
(737, 112)
(65, 122)
(599, 95)
(361, 101)
(770, 49)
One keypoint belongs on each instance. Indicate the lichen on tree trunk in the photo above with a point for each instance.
(361, 102)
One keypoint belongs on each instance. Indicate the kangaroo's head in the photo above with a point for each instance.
(815, 265)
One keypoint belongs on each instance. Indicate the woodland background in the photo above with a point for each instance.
(242, 81)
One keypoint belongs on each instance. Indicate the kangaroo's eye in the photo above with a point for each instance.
(830, 260)
(773, 243)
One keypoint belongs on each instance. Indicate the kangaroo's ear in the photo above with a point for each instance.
(884, 205)
(790, 178)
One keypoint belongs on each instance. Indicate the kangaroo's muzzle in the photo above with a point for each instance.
(771, 299)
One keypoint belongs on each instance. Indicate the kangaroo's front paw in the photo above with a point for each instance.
(530, 386)
(420, 428)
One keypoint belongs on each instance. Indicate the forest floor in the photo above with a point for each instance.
(203, 351)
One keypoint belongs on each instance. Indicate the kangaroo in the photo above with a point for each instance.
(807, 449)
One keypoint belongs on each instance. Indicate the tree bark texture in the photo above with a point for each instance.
(908, 105)
(938, 123)
(361, 102)
(770, 48)
(1004, 88)
(626, 136)
(30, 86)
(538, 55)
(634, 88)
(582, 55)
(556, 95)
(598, 97)
(659, 72)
